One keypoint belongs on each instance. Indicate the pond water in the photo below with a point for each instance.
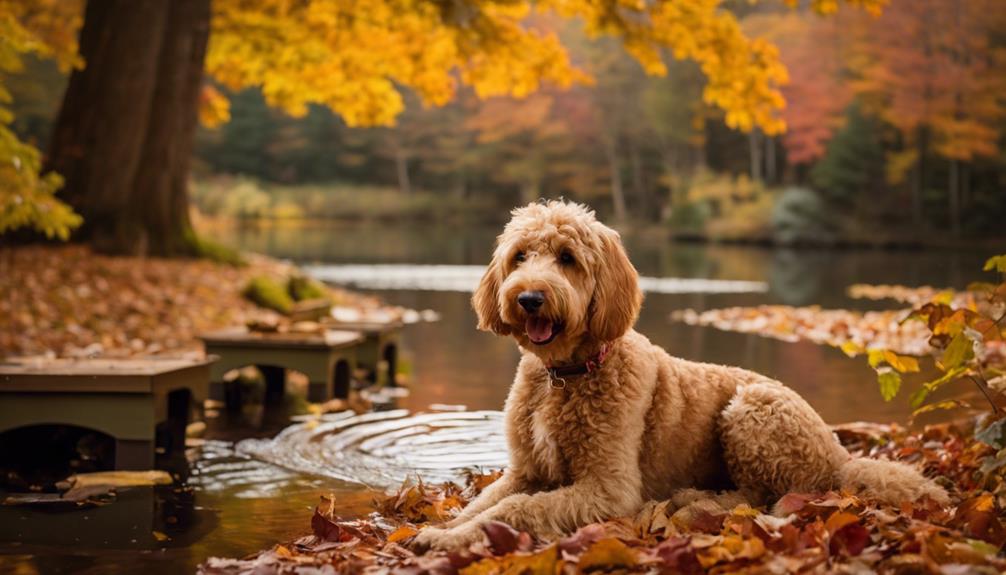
(235, 503)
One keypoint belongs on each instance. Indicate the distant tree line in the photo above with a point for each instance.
(895, 121)
(888, 119)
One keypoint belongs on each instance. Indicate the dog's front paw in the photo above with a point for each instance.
(446, 539)
(426, 537)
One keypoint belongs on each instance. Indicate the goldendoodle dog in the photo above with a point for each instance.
(599, 420)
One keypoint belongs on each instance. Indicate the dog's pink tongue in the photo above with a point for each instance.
(538, 329)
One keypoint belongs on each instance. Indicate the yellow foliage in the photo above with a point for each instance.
(45, 28)
(353, 56)
(350, 56)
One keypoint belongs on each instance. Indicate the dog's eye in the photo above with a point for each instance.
(566, 258)
(519, 257)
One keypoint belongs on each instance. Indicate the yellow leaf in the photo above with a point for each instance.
(851, 348)
(902, 363)
(731, 548)
(951, 325)
(945, 297)
(607, 554)
(947, 404)
(543, 562)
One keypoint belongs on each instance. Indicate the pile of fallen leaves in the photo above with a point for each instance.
(882, 329)
(914, 296)
(826, 532)
(66, 301)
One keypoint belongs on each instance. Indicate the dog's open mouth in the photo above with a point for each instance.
(541, 330)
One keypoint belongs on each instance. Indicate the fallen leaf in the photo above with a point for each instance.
(403, 532)
(607, 554)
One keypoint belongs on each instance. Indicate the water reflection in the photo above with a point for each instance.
(381, 449)
(465, 279)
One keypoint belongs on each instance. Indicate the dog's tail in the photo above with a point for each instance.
(889, 482)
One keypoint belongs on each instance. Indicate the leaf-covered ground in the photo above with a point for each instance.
(69, 302)
(824, 532)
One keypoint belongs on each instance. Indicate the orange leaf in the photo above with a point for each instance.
(403, 532)
(609, 554)
(838, 520)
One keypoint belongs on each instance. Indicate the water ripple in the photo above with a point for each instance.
(381, 449)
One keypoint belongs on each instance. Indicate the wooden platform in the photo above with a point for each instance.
(382, 340)
(328, 359)
(126, 399)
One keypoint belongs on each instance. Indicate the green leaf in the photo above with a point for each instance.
(958, 351)
(993, 434)
(997, 263)
(930, 386)
(890, 383)
(919, 396)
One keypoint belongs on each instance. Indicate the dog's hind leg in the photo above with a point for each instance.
(774, 441)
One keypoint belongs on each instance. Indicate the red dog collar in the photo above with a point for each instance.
(558, 374)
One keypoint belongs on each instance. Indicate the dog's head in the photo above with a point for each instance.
(558, 279)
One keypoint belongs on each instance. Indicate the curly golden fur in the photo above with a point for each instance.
(645, 425)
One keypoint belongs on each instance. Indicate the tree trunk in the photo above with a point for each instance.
(125, 131)
(161, 187)
(638, 185)
(459, 189)
(954, 193)
(918, 179)
(617, 190)
(757, 161)
(966, 197)
(402, 170)
(771, 164)
(98, 139)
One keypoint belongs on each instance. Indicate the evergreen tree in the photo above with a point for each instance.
(854, 161)
(242, 145)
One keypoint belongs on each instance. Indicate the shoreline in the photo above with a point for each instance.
(67, 301)
(893, 243)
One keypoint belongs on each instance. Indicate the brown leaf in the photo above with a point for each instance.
(677, 556)
(582, 539)
(978, 518)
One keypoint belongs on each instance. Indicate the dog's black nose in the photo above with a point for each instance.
(531, 300)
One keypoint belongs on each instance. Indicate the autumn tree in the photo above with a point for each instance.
(125, 132)
(531, 142)
(933, 72)
(42, 28)
(124, 135)
(817, 93)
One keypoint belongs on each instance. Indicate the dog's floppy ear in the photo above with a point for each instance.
(617, 297)
(486, 299)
